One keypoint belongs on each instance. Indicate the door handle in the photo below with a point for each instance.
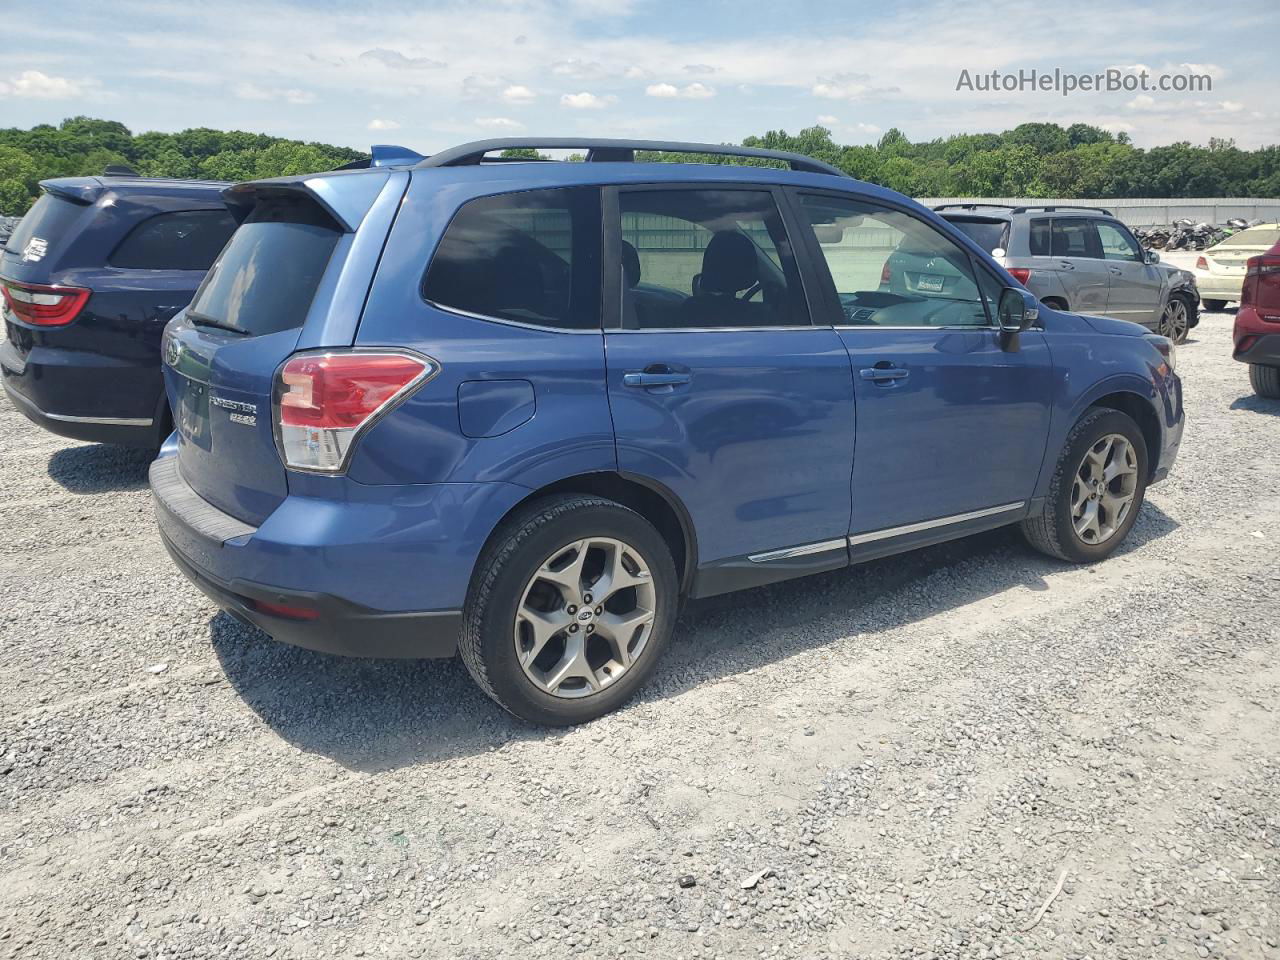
(1066, 265)
(1115, 271)
(884, 373)
(646, 379)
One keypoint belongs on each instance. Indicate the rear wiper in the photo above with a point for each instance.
(200, 320)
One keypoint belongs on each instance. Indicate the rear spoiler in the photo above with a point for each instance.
(345, 196)
(82, 190)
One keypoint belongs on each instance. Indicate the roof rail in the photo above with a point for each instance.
(1059, 206)
(619, 151)
(973, 206)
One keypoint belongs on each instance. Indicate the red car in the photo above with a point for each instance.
(1257, 331)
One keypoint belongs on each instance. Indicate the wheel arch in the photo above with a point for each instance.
(1142, 411)
(652, 500)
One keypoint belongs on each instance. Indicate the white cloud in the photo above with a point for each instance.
(694, 91)
(251, 91)
(848, 86)
(395, 60)
(518, 93)
(499, 123)
(1232, 106)
(1142, 102)
(377, 123)
(586, 101)
(41, 86)
(827, 120)
(866, 128)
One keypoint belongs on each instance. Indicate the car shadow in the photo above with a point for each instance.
(371, 715)
(1256, 404)
(100, 468)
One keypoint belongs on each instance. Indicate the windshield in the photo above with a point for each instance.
(268, 274)
(48, 218)
(988, 234)
(1266, 236)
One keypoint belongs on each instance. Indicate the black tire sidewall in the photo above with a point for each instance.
(1098, 426)
(497, 647)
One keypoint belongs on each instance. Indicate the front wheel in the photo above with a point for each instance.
(1265, 381)
(572, 603)
(1175, 322)
(1096, 491)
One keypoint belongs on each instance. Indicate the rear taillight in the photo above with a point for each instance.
(285, 610)
(1202, 263)
(44, 305)
(1262, 285)
(1021, 274)
(324, 400)
(886, 273)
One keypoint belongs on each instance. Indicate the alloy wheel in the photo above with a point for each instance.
(1106, 483)
(1173, 322)
(585, 617)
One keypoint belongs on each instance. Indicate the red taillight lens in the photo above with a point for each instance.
(1262, 285)
(886, 273)
(285, 610)
(1021, 274)
(1202, 263)
(324, 399)
(44, 305)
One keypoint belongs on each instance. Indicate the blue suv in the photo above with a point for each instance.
(520, 410)
(90, 277)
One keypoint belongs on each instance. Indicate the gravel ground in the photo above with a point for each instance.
(920, 752)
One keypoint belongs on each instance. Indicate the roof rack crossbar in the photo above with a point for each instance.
(619, 150)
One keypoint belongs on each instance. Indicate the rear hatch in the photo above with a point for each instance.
(283, 273)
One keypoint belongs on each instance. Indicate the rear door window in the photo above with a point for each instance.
(269, 272)
(1075, 237)
(48, 219)
(531, 257)
(188, 240)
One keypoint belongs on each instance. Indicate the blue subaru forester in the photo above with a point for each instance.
(519, 410)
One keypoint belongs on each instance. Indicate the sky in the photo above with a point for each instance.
(431, 74)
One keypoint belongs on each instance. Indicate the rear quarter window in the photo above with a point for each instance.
(988, 234)
(1040, 242)
(188, 240)
(268, 274)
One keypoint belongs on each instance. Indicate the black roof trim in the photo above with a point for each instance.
(1020, 208)
(619, 151)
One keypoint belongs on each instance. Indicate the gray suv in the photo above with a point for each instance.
(1085, 260)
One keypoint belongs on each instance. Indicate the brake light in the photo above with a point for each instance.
(1202, 263)
(1262, 285)
(1021, 274)
(44, 305)
(886, 273)
(324, 400)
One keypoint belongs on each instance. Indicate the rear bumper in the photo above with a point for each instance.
(1214, 287)
(126, 406)
(382, 578)
(1263, 349)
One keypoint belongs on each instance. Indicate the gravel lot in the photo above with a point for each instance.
(921, 750)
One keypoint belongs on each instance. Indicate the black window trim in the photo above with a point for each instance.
(827, 283)
(519, 324)
(612, 280)
(217, 211)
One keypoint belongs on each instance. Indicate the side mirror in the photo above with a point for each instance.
(1152, 257)
(1015, 314)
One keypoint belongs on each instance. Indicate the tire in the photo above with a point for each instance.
(1175, 319)
(1055, 303)
(1053, 530)
(1214, 305)
(1265, 380)
(510, 590)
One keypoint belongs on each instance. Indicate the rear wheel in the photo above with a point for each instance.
(572, 604)
(1265, 380)
(1175, 322)
(1214, 305)
(1096, 491)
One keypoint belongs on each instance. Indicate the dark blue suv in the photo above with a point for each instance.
(521, 410)
(89, 278)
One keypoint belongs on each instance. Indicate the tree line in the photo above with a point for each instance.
(1031, 160)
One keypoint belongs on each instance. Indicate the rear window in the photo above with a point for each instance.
(988, 234)
(1253, 237)
(189, 240)
(268, 274)
(49, 218)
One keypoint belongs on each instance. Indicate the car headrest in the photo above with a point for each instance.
(729, 263)
(630, 265)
